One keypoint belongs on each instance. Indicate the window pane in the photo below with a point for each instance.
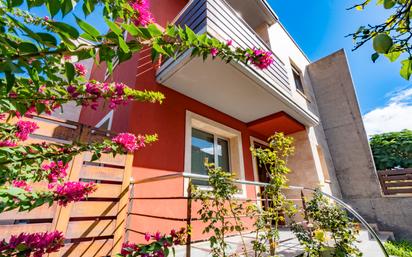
(298, 80)
(223, 154)
(202, 152)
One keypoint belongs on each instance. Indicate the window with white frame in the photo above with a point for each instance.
(208, 148)
(210, 142)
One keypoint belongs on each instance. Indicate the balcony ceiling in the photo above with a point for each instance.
(225, 87)
(254, 12)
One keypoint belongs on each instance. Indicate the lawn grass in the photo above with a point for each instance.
(399, 248)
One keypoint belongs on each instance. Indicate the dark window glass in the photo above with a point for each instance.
(298, 79)
(223, 154)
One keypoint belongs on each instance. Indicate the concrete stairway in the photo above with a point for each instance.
(383, 235)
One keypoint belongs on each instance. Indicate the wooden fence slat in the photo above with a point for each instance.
(107, 191)
(394, 172)
(396, 181)
(119, 160)
(90, 228)
(399, 184)
(42, 212)
(6, 231)
(88, 248)
(397, 177)
(123, 207)
(94, 209)
(101, 173)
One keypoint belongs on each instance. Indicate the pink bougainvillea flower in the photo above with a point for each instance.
(214, 51)
(46, 18)
(229, 42)
(35, 244)
(147, 236)
(260, 58)
(56, 171)
(129, 141)
(80, 69)
(73, 192)
(67, 57)
(157, 236)
(22, 184)
(142, 16)
(128, 248)
(24, 128)
(7, 143)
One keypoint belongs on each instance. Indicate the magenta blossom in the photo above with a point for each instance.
(57, 171)
(129, 141)
(35, 244)
(7, 143)
(260, 58)
(80, 69)
(24, 128)
(147, 236)
(157, 236)
(73, 192)
(129, 248)
(22, 184)
(229, 42)
(214, 51)
(142, 16)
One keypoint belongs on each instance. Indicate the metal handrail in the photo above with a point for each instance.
(261, 184)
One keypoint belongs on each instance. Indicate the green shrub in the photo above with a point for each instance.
(399, 248)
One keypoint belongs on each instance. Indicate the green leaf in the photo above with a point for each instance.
(65, 29)
(131, 29)
(70, 71)
(374, 57)
(191, 36)
(123, 45)
(154, 30)
(406, 69)
(27, 47)
(53, 6)
(47, 39)
(86, 27)
(15, 3)
(113, 27)
(10, 79)
(66, 7)
(159, 49)
(393, 56)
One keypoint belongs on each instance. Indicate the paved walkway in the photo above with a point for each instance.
(289, 246)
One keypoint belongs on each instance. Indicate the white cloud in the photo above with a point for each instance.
(396, 115)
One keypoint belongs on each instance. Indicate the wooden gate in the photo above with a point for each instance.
(396, 182)
(92, 227)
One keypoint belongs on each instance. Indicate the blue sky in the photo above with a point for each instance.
(320, 26)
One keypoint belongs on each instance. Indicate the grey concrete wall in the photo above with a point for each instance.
(348, 145)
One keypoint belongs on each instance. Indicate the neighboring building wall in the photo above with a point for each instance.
(349, 147)
(288, 51)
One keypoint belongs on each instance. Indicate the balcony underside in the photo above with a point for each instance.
(229, 89)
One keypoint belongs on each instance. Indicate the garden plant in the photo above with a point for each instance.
(40, 72)
(326, 229)
(274, 161)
